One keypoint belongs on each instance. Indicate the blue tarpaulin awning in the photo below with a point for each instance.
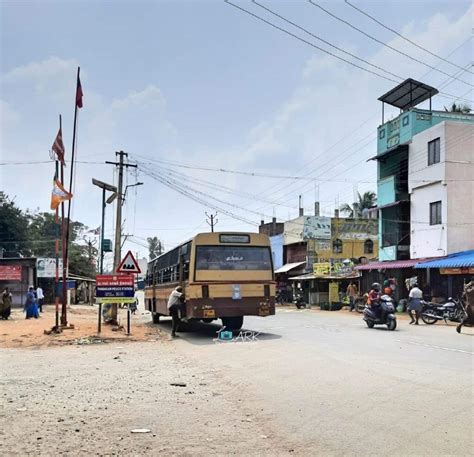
(464, 259)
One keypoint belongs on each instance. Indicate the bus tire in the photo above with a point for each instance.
(156, 318)
(233, 323)
(207, 321)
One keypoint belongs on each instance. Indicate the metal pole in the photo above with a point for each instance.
(99, 319)
(128, 319)
(118, 222)
(102, 233)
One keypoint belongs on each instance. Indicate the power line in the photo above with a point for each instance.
(383, 43)
(402, 36)
(308, 42)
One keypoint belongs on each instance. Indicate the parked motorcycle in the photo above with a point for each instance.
(299, 301)
(452, 310)
(384, 314)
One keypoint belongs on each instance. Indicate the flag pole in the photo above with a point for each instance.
(58, 232)
(71, 177)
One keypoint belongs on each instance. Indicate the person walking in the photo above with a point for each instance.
(352, 292)
(40, 298)
(175, 302)
(31, 307)
(414, 303)
(5, 304)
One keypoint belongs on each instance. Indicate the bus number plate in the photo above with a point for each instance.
(209, 313)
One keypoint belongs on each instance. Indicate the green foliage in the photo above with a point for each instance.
(365, 201)
(34, 234)
(465, 109)
(155, 247)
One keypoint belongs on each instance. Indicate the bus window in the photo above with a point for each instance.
(233, 258)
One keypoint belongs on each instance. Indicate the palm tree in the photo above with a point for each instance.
(365, 201)
(155, 247)
(465, 109)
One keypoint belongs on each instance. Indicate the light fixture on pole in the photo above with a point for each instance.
(105, 187)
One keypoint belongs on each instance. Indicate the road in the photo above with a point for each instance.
(339, 388)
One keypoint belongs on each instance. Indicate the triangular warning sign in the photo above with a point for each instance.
(128, 264)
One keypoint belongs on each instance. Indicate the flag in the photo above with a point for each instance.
(79, 93)
(59, 194)
(58, 147)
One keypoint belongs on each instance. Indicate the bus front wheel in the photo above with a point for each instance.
(233, 323)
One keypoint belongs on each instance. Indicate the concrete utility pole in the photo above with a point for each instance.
(212, 220)
(118, 223)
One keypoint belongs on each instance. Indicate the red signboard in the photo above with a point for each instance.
(114, 280)
(10, 272)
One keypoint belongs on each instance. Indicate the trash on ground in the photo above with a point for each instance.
(141, 430)
(178, 384)
(88, 340)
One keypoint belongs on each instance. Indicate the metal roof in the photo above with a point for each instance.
(457, 260)
(409, 93)
(409, 263)
(289, 266)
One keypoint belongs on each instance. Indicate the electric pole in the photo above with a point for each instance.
(212, 220)
(118, 222)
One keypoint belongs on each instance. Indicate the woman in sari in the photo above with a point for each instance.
(31, 307)
(5, 304)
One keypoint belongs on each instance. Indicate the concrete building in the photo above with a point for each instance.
(425, 168)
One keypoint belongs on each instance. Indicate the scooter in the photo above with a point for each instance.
(299, 301)
(384, 315)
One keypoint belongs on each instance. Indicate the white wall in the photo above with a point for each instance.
(460, 185)
(450, 182)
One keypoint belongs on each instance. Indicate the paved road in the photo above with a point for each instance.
(338, 388)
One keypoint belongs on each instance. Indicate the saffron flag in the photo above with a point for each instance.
(58, 147)
(59, 194)
(79, 93)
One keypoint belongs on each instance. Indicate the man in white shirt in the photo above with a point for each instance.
(40, 298)
(175, 302)
(414, 303)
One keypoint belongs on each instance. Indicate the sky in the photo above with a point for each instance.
(203, 84)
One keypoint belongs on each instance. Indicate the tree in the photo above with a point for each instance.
(13, 228)
(155, 247)
(465, 109)
(357, 210)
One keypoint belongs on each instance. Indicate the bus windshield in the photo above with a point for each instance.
(233, 258)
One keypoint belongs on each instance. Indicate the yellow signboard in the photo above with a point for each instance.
(334, 292)
(321, 269)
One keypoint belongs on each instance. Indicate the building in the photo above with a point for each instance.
(18, 273)
(425, 187)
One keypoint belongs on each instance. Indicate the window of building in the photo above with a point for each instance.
(337, 246)
(435, 213)
(368, 247)
(406, 120)
(434, 151)
(382, 134)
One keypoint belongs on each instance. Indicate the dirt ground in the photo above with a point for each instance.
(18, 332)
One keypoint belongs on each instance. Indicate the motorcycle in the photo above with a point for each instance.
(452, 310)
(384, 315)
(299, 301)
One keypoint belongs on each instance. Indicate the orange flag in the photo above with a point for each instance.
(59, 195)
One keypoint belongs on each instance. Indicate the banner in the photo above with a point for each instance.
(46, 267)
(322, 269)
(10, 272)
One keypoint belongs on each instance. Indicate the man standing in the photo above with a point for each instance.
(352, 293)
(5, 304)
(40, 297)
(414, 303)
(175, 302)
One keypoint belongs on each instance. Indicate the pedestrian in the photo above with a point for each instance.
(414, 303)
(5, 304)
(387, 290)
(175, 302)
(352, 292)
(31, 307)
(40, 298)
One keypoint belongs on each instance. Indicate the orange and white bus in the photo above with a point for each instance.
(224, 276)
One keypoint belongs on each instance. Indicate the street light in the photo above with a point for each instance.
(104, 186)
(126, 188)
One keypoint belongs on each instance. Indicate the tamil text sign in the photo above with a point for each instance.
(115, 289)
(10, 272)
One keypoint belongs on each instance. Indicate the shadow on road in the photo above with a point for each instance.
(200, 333)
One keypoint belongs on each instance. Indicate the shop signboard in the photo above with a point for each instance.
(115, 288)
(457, 271)
(10, 272)
(322, 269)
(334, 292)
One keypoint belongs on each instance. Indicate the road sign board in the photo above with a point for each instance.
(115, 289)
(128, 264)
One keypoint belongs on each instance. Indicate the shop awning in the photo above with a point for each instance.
(289, 266)
(392, 264)
(309, 276)
(464, 259)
